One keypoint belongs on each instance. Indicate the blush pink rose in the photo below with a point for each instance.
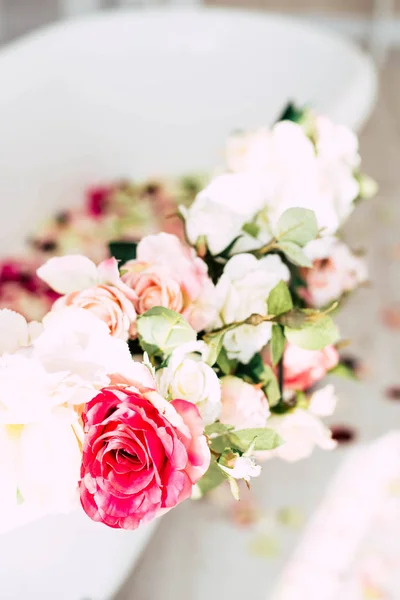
(108, 303)
(243, 405)
(304, 368)
(153, 286)
(337, 272)
(141, 455)
(168, 273)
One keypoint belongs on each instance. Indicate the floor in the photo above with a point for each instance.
(197, 552)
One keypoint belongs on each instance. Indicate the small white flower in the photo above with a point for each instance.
(188, 377)
(243, 467)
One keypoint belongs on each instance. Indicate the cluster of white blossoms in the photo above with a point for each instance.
(48, 372)
(313, 165)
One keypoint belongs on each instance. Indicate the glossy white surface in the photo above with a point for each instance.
(137, 93)
(67, 557)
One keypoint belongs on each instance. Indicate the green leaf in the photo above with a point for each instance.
(277, 344)
(262, 438)
(224, 442)
(123, 251)
(271, 386)
(298, 225)
(342, 370)
(292, 113)
(214, 344)
(294, 254)
(218, 429)
(225, 364)
(252, 229)
(212, 478)
(255, 368)
(314, 335)
(279, 299)
(161, 330)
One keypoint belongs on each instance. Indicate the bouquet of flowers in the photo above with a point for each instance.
(175, 364)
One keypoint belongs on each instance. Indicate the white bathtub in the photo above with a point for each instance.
(137, 94)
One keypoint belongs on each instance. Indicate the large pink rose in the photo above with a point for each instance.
(141, 455)
(168, 273)
(107, 302)
(304, 368)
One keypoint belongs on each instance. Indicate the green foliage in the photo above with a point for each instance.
(277, 343)
(258, 439)
(218, 428)
(271, 386)
(243, 440)
(252, 229)
(297, 225)
(279, 299)
(294, 254)
(214, 343)
(123, 251)
(212, 478)
(314, 334)
(292, 113)
(226, 365)
(258, 372)
(161, 330)
(342, 370)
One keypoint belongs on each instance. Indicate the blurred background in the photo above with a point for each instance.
(200, 550)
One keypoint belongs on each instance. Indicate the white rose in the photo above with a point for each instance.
(188, 377)
(78, 344)
(49, 460)
(243, 342)
(301, 431)
(243, 290)
(245, 284)
(40, 383)
(277, 152)
(336, 142)
(297, 174)
(222, 208)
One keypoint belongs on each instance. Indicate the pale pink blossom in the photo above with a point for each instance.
(168, 273)
(243, 405)
(153, 286)
(304, 368)
(335, 271)
(97, 289)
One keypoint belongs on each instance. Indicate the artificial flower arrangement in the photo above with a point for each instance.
(175, 365)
